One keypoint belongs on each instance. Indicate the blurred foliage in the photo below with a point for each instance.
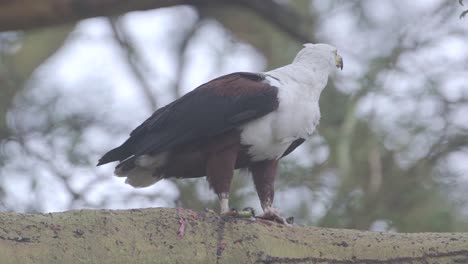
(384, 158)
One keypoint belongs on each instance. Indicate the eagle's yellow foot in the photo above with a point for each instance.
(272, 214)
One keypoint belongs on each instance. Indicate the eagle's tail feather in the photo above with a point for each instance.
(116, 154)
(124, 167)
(140, 177)
(141, 171)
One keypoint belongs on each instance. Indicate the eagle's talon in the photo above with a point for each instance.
(208, 210)
(274, 216)
(247, 212)
(230, 213)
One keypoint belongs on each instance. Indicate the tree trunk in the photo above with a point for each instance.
(182, 236)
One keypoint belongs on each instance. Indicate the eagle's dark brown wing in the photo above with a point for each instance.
(211, 109)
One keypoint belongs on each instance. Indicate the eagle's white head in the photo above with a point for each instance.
(323, 55)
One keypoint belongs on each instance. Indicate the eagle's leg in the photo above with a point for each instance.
(264, 173)
(219, 172)
(224, 203)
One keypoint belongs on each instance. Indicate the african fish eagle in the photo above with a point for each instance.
(240, 120)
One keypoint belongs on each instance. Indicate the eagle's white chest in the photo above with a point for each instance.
(297, 115)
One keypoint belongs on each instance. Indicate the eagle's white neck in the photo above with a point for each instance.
(299, 86)
(311, 77)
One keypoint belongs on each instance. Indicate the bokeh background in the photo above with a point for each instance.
(390, 152)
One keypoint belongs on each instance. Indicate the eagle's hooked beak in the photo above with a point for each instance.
(339, 61)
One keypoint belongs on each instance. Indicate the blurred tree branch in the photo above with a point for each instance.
(134, 61)
(28, 14)
(463, 14)
(16, 68)
(183, 236)
(182, 46)
(286, 19)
